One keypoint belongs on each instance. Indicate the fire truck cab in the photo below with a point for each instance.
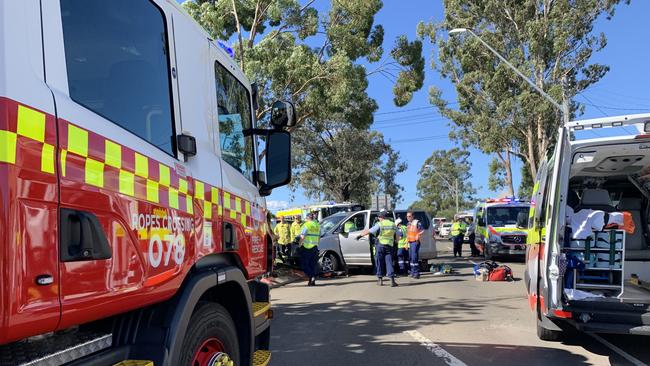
(132, 184)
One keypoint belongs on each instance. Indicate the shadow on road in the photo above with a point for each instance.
(505, 354)
(358, 332)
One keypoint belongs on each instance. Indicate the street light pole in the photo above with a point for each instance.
(456, 190)
(563, 108)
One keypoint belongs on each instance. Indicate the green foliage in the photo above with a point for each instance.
(496, 180)
(549, 41)
(389, 172)
(335, 161)
(441, 174)
(273, 42)
(526, 184)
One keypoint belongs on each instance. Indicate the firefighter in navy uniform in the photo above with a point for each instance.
(385, 231)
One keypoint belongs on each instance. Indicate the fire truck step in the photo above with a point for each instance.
(261, 358)
(56, 349)
(134, 363)
(260, 308)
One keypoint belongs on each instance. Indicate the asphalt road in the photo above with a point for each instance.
(437, 320)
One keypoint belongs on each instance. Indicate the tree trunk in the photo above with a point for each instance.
(508, 164)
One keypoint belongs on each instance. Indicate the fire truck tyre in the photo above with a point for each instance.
(211, 337)
(548, 334)
(329, 263)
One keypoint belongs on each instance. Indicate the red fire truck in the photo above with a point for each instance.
(132, 176)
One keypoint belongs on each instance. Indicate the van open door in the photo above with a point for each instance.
(555, 209)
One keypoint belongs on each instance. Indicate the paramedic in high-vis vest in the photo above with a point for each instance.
(385, 231)
(414, 230)
(309, 239)
(402, 247)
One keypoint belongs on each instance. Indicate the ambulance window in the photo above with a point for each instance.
(117, 61)
(234, 109)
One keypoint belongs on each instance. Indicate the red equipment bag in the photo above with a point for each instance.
(501, 273)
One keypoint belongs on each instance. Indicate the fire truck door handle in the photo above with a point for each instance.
(82, 237)
(229, 236)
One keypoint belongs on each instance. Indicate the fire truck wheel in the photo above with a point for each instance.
(211, 337)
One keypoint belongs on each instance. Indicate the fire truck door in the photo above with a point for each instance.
(125, 196)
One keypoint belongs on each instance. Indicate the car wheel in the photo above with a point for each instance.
(329, 263)
(211, 337)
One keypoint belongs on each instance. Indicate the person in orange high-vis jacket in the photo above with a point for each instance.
(414, 231)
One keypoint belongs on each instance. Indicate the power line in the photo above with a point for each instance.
(619, 108)
(399, 121)
(404, 110)
(410, 109)
(404, 124)
(418, 139)
(407, 118)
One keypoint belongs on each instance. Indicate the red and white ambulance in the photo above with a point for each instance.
(133, 226)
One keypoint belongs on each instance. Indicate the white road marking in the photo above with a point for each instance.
(438, 351)
(622, 353)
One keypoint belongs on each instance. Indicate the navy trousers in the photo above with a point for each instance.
(458, 245)
(384, 261)
(308, 261)
(403, 259)
(414, 254)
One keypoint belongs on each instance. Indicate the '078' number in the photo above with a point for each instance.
(175, 244)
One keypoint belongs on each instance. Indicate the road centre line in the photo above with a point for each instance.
(619, 351)
(438, 351)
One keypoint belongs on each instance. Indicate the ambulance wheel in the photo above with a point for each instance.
(487, 254)
(548, 334)
(211, 338)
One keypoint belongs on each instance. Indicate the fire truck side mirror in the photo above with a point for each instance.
(278, 161)
(283, 114)
(186, 145)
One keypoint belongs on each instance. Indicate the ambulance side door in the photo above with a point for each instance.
(125, 213)
(536, 234)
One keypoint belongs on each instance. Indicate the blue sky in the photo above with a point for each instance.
(624, 90)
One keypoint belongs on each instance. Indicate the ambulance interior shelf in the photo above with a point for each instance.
(595, 264)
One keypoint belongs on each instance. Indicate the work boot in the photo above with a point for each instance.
(380, 281)
(393, 283)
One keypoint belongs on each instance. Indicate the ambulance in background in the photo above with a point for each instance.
(501, 226)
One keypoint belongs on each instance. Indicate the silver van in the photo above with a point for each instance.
(428, 240)
(333, 235)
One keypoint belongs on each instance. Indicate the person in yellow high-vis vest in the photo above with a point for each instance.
(296, 230)
(458, 229)
(385, 230)
(402, 247)
(282, 233)
(309, 240)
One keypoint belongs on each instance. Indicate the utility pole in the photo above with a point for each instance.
(456, 191)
